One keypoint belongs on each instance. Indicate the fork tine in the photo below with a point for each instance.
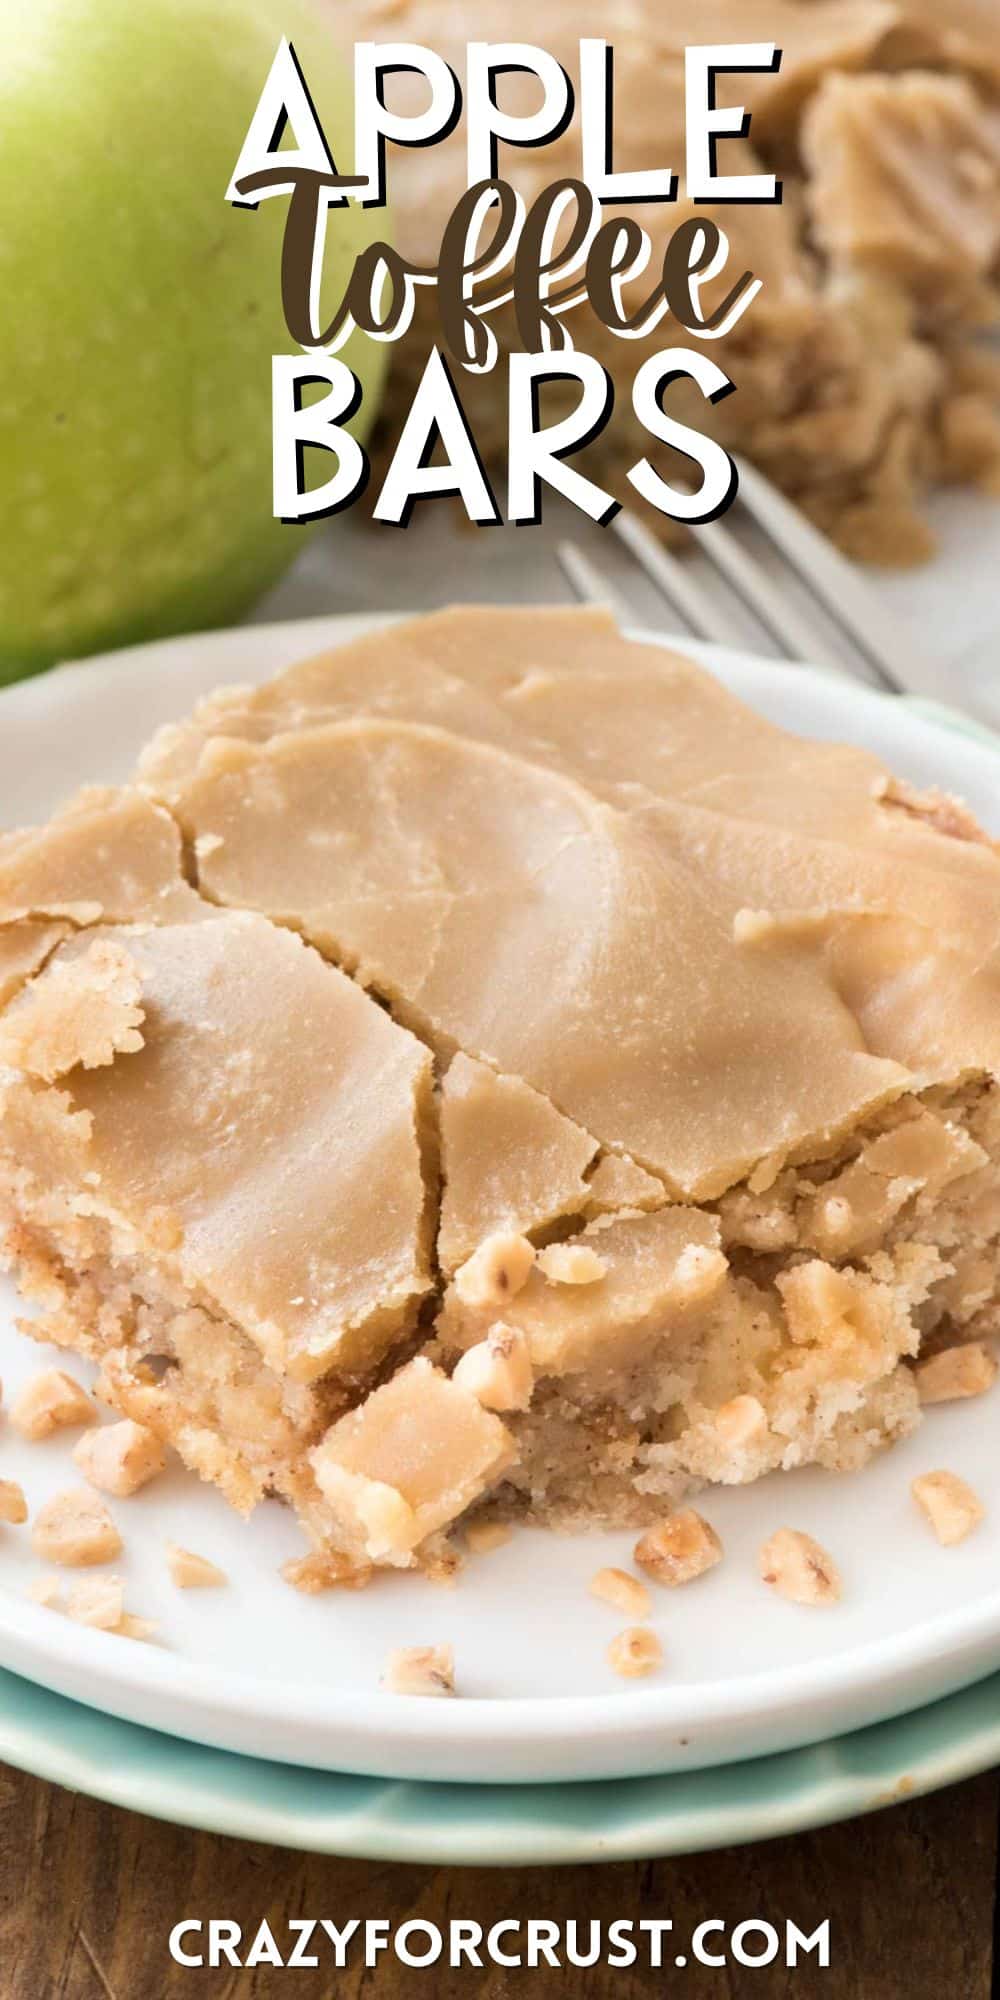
(794, 634)
(831, 578)
(587, 582)
(673, 580)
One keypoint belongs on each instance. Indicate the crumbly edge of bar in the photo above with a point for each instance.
(611, 1446)
(165, 1355)
(615, 1446)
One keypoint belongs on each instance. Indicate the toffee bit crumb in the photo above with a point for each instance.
(495, 1271)
(799, 1568)
(75, 1530)
(679, 1549)
(425, 1670)
(948, 1504)
(192, 1572)
(741, 1420)
(50, 1402)
(955, 1373)
(47, 1591)
(635, 1651)
(752, 926)
(571, 1264)
(13, 1505)
(119, 1458)
(498, 1371)
(625, 1592)
(136, 1628)
(315, 1573)
(482, 1536)
(97, 1601)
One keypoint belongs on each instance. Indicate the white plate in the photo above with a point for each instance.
(258, 1668)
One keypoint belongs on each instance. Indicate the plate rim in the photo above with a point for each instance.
(472, 1723)
(188, 1784)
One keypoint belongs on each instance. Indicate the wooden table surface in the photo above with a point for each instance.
(88, 1895)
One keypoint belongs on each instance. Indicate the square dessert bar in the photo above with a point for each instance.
(489, 1067)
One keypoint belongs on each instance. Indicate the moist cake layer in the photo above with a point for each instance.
(476, 1064)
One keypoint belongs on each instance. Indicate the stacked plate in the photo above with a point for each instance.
(764, 1718)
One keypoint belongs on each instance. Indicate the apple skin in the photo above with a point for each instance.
(140, 314)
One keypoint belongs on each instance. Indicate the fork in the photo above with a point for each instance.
(797, 566)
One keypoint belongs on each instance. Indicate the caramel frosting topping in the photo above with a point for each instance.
(510, 1160)
(241, 1108)
(502, 910)
(110, 856)
(533, 839)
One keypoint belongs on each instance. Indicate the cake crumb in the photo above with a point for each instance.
(52, 1401)
(955, 1373)
(97, 1601)
(13, 1505)
(120, 1458)
(635, 1651)
(441, 1562)
(948, 1504)
(75, 1530)
(699, 1272)
(496, 1271)
(80, 1011)
(679, 1549)
(799, 1568)
(498, 1371)
(426, 1670)
(192, 1572)
(625, 1592)
(571, 1264)
(482, 1536)
(321, 1571)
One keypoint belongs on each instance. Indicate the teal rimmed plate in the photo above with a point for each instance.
(498, 1825)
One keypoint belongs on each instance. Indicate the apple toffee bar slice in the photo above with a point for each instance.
(217, 1163)
(717, 1017)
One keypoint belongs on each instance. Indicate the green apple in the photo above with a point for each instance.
(140, 314)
